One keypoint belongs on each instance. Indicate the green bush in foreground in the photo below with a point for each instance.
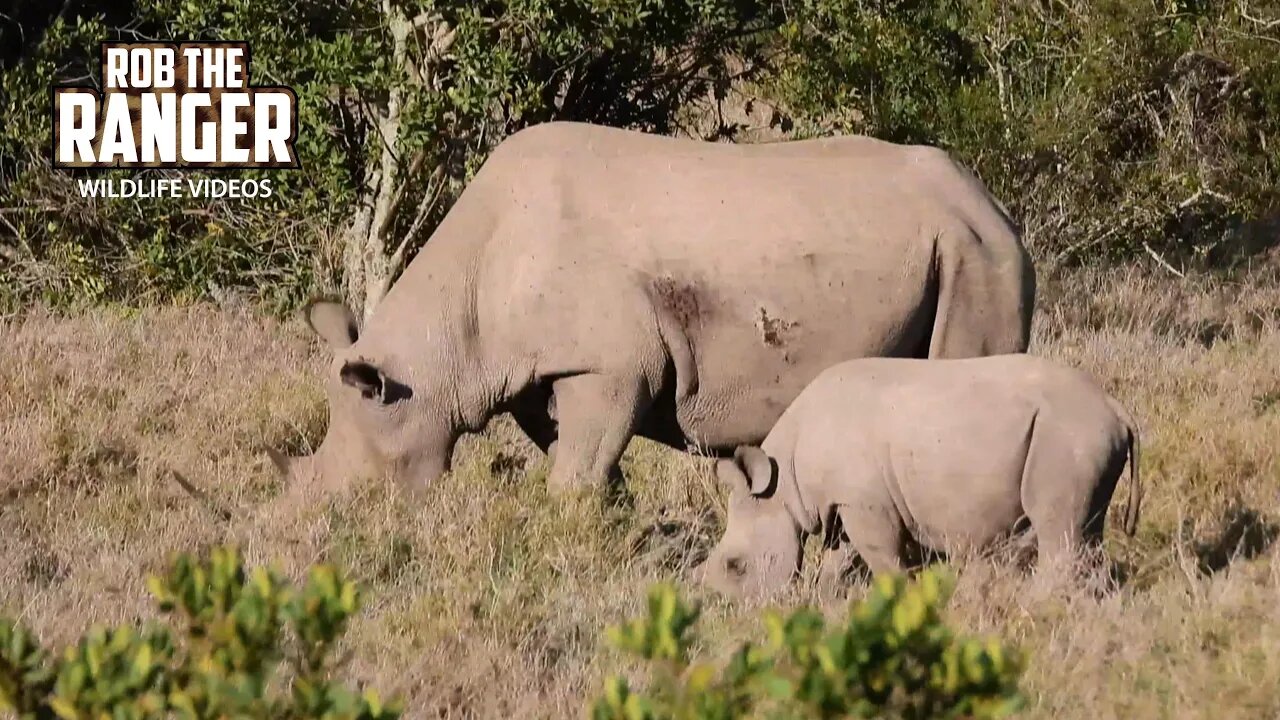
(220, 663)
(894, 658)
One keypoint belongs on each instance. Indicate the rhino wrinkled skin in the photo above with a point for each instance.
(600, 283)
(881, 455)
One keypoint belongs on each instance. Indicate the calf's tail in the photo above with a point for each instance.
(1135, 475)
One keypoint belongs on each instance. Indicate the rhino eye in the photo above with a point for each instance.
(736, 566)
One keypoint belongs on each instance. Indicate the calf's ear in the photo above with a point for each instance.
(730, 475)
(333, 322)
(760, 469)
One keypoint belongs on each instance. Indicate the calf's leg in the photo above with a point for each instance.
(875, 534)
(1065, 490)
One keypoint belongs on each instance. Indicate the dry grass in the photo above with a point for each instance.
(487, 598)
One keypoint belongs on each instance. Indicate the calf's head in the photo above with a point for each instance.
(383, 420)
(761, 548)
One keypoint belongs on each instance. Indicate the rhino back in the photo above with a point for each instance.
(773, 262)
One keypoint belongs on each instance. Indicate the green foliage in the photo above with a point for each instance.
(893, 657)
(660, 635)
(114, 672)
(222, 663)
(1105, 126)
(25, 675)
(1109, 128)
(470, 75)
(889, 69)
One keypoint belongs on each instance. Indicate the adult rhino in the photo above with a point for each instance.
(600, 283)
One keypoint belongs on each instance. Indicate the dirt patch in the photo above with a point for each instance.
(774, 332)
(681, 300)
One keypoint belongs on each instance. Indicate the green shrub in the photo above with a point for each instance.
(894, 657)
(221, 662)
(1109, 127)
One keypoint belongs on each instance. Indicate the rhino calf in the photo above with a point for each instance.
(884, 455)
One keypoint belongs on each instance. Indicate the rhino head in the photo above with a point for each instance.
(761, 548)
(385, 419)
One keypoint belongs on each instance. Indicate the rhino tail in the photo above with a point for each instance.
(1135, 474)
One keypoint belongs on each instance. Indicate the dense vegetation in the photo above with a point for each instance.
(893, 658)
(222, 662)
(895, 655)
(1111, 128)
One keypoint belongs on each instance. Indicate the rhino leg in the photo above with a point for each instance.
(835, 565)
(875, 533)
(597, 416)
(1065, 491)
(981, 310)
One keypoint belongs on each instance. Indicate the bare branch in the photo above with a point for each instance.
(406, 177)
(1164, 263)
(11, 227)
(1264, 24)
(423, 18)
(201, 497)
(1201, 193)
(424, 211)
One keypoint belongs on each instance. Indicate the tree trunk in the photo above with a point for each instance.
(369, 264)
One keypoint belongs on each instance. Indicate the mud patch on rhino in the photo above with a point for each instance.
(680, 300)
(774, 332)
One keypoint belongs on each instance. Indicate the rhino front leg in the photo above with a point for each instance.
(875, 533)
(597, 415)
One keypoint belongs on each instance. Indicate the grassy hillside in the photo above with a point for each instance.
(488, 598)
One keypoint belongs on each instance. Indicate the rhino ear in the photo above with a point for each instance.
(760, 470)
(333, 322)
(730, 475)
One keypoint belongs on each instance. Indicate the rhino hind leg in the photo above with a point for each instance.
(597, 415)
(980, 311)
(1065, 493)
